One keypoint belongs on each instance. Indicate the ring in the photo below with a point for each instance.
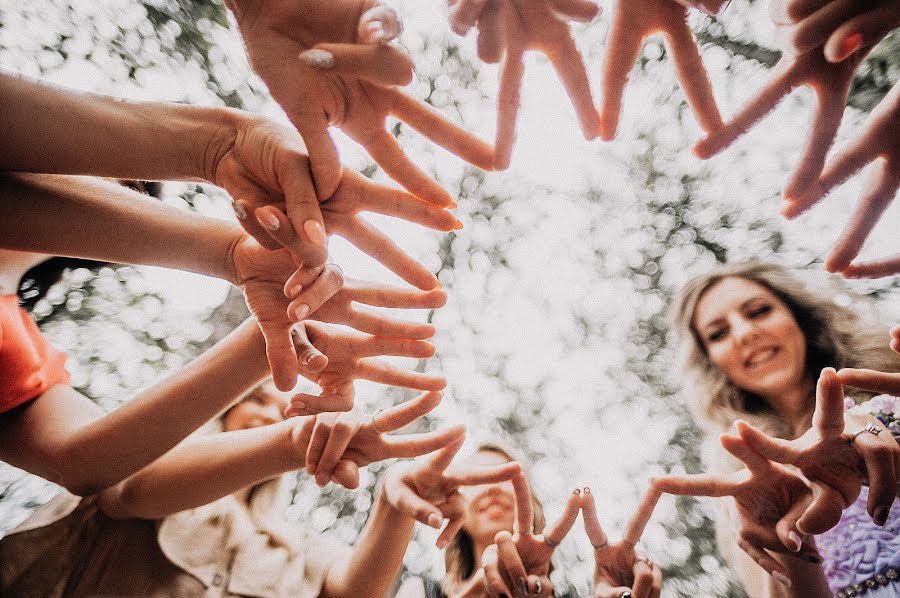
(372, 421)
(871, 428)
(642, 559)
(538, 588)
(625, 594)
(602, 544)
(550, 543)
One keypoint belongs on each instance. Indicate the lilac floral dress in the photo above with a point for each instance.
(861, 558)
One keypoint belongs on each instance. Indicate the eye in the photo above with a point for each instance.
(717, 334)
(760, 310)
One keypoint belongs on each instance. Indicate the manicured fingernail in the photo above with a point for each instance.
(299, 406)
(586, 490)
(881, 515)
(268, 220)
(795, 540)
(295, 290)
(316, 58)
(309, 358)
(434, 520)
(322, 479)
(315, 232)
(851, 44)
(523, 587)
(239, 210)
(302, 311)
(441, 543)
(781, 578)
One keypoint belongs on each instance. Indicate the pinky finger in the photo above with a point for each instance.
(765, 560)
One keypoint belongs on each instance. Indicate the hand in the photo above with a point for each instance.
(498, 574)
(836, 463)
(635, 20)
(351, 357)
(428, 490)
(261, 275)
(878, 140)
(340, 309)
(260, 163)
(618, 567)
(523, 557)
(328, 64)
(512, 27)
(340, 212)
(769, 499)
(840, 27)
(339, 444)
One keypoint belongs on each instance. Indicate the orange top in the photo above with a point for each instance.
(29, 365)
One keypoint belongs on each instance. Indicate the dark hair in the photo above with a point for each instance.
(37, 281)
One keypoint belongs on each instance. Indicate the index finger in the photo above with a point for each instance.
(405, 413)
(624, 47)
(476, 476)
(524, 513)
(569, 65)
(303, 211)
(701, 484)
(558, 530)
(592, 526)
(642, 515)
(442, 458)
(323, 156)
(828, 417)
(413, 445)
(738, 447)
(870, 380)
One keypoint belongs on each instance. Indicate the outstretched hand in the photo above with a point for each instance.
(835, 462)
(428, 490)
(634, 21)
(618, 567)
(509, 28)
(769, 498)
(332, 64)
(352, 356)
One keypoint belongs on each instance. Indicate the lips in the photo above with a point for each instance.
(760, 357)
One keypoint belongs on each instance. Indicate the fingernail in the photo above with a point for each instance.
(299, 406)
(523, 587)
(458, 225)
(815, 559)
(441, 543)
(586, 490)
(239, 210)
(295, 290)
(851, 45)
(434, 520)
(881, 515)
(302, 311)
(316, 58)
(322, 479)
(453, 205)
(795, 540)
(309, 358)
(315, 232)
(781, 578)
(268, 220)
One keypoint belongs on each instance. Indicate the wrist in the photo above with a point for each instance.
(218, 134)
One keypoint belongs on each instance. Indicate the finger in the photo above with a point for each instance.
(879, 455)
(863, 30)
(642, 515)
(693, 77)
(400, 204)
(609, 591)
(825, 122)
(875, 269)
(311, 360)
(591, 523)
(341, 435)
(824, 511)
(540, 586)
(508, 102)
(876, 198)
(786, 528)
(524, 512)
(335, 399)
(346, 473)
(386, 151)
(442, 457)
(300, 278)
(407, 412)
(413, 445)
(750, 114)
(656, 589)
(280, 353)
(369, 345)
(702, 484)
(477, 476)
(764, 560)
(583, 11)
(490, 561)
(464, 14)
(454, 511)
(323, 156)
(376, 370)
(739, 448)
(379, 24)
(773, 449)
(870, 380)
(624, 47)
(372, 322)
(814, 30)
(841, 167)
(489, 34)
(383, 64)
(512, 562)
(430, 123)
(418, 508)
(569, 65)
(309, 242)
(320, 434)
(382, 295)
(280, 228)
(243, 210)
(828, 417)
(560, 529)
(643, 580)
(313, 295)
(794, 11)
(379, 246)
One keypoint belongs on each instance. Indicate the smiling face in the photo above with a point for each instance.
(260, 408)
(753, 337)
(490, 508)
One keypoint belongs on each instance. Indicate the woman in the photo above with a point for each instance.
(754, 340)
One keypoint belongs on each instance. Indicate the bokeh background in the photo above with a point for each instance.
(554, 338)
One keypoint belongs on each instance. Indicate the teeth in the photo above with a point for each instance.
(761, 357)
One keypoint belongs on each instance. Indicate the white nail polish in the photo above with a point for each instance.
(320, 59)
(795, 538)
(239, 210)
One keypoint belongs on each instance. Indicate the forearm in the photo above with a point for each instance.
(46, 128)
(206, 468)
(377, 555)
(160, 417)
(98, 219)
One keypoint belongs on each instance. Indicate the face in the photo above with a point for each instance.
(261, 408)
(752, 336)
(490, 508)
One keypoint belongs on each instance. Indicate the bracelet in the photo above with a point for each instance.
(884, 408)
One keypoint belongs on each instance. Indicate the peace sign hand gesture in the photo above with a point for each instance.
(428, 490)
(836, 462)
(769, 499)
(619, 568)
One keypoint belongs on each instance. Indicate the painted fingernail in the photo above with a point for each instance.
(781, 578)
(268, 220)
(881, 515)
(315, 231)
(795, 540)
(302, 311)
(316, 58)
(434, 520)
(851, 44)
(814, 558)
(523, 587)
(586, 490)
(239, 210)
(295, 290)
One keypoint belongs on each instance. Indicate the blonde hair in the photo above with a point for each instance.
(459, 556)
(836, 336)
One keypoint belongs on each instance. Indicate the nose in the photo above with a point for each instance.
(743, 329)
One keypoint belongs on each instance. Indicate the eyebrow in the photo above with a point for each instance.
(742, 306)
